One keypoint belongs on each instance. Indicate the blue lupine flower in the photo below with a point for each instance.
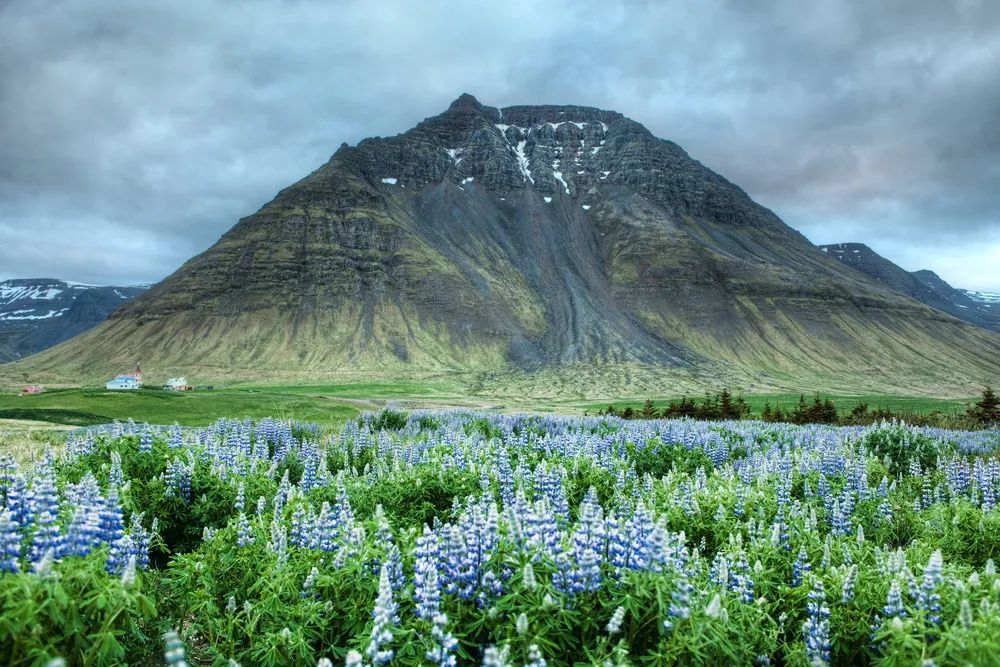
(119, 555)
(173, 653)
(443, 644)
(239, 504)
(535, 658)
(244, 533)
(816, 629)
(927, 598)
(145, 442)
(847, 590)
(20, 502)
(801, 567)
(680, 605)
(116, 477)
(83, 532)
(589, 571)
(112, 527)
(309, 585)
(10, 543)
(894, 601)
(425, 575)
(47, 537)
(385, 618)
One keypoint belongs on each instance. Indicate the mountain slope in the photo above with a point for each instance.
(526, 242)
(36, 314)
(924, 286)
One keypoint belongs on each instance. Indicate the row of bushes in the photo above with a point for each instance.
(726, 406)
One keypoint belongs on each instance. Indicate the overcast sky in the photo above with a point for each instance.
(133, 134)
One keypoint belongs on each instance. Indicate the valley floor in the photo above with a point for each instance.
(333, 404)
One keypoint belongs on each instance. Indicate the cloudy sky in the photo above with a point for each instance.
(133, 134)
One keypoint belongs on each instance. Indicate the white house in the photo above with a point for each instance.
(123, 382)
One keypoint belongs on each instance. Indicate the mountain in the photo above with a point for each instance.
(549, 250)
(38, 314)
(924, 286)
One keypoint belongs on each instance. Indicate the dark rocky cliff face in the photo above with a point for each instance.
(924, 286)
(532, 236)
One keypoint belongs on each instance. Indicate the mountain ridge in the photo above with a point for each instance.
(525, 241)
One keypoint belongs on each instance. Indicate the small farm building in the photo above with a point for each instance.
(178, 384)
(31, 390)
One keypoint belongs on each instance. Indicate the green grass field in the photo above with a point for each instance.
(198, 408)
(375, 390)
(322, 403)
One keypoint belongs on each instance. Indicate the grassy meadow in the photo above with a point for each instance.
(87, 406)
(334, 403)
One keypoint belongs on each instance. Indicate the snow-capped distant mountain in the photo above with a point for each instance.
(979, 308)
(36, 314)
(987, 298)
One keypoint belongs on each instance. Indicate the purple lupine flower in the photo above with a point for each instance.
(47, 537)
(178, 479)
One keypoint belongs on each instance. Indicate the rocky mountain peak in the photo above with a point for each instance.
(573, 154)
(466, 103)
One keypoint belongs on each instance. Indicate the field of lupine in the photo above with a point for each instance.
(468, 538)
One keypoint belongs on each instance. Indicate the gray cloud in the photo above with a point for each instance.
(133, 135)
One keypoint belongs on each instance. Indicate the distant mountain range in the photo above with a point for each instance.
(979, 308)
(541, 250)
(36, 314)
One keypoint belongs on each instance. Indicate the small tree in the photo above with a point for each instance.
(987, 411)
(649, 411)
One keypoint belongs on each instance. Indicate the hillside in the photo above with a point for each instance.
(547, 249)
(36, 314)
